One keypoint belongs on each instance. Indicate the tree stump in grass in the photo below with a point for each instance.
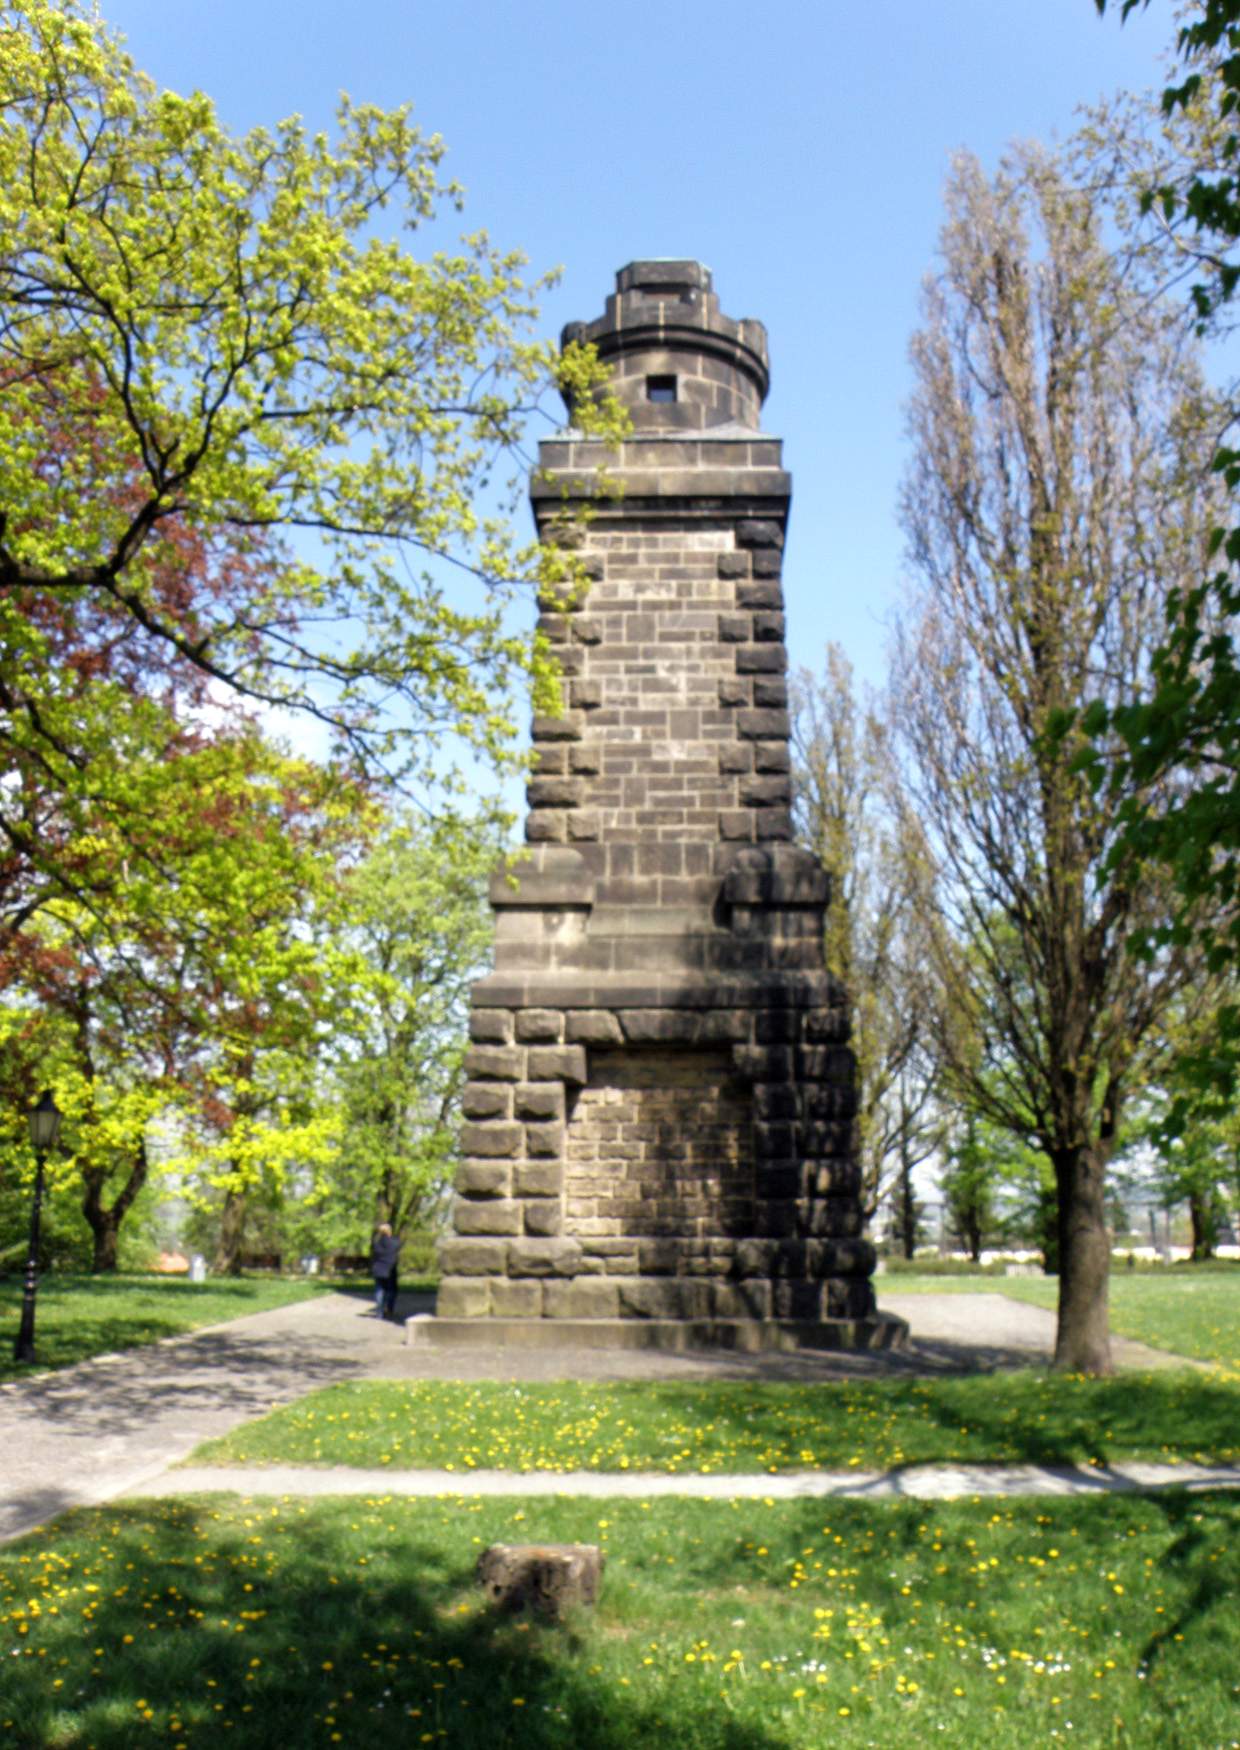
(544, 1577)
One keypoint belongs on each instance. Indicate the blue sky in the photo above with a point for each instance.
(798, 149)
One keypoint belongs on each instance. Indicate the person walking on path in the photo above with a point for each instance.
(384, 1256)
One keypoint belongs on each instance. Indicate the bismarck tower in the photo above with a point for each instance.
(659, 1142)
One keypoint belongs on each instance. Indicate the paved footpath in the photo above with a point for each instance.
(114, 1426)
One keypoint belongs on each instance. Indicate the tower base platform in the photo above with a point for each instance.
(671, 1336)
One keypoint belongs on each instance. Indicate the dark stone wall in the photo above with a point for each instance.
(661, 1097)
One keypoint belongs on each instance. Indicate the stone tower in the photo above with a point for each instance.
(659, 1139)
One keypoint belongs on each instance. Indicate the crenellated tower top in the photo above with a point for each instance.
(678, 363)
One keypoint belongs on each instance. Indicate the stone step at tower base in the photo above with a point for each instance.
(659, 1146)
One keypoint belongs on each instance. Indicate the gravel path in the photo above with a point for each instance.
(112, 1426)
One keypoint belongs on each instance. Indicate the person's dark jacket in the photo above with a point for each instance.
(383, 1257)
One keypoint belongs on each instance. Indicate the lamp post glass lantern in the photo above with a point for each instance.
(44, 1131)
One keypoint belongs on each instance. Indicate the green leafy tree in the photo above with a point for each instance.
(210, 338)
(1185, 721)
(418, 919)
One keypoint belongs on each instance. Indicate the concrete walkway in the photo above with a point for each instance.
(915, 1482)
(113, 1426)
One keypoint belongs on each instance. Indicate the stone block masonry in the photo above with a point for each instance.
(659, 1113)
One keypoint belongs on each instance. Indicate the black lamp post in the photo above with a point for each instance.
(44, 1129)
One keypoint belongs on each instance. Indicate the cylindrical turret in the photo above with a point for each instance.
(677, 363)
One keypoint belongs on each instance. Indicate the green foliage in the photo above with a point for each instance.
(736, 1625)
(1186, 721)
(221, 326)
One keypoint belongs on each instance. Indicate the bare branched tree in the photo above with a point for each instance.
(1059, 488)
(844, 816)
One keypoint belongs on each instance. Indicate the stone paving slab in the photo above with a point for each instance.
(113, 1424)
(920, 1482)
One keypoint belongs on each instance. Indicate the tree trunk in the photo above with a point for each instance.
(1082, 1337)
(906, 1205)
(105, 1223)
(232, 1231)
(1202, 1217)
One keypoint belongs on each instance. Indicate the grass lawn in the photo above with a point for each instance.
(703, 1426)
(743, 1625)
(1190, 1311)
(80, 1316)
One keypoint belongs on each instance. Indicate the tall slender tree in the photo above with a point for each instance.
(1058, 488)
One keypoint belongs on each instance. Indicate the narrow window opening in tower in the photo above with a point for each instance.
(660, 388)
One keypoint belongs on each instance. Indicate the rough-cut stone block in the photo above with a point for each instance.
(769, 628)
(549, 1579)
(486, 1100)
(587, 629)
(768, 564)
(543, 792)
(770, 692)
(841, 1176)
(735, 824)
(586, 695)
(659, 1026)
(570, 727)
(544, 1258)
(544, 1216)
(546, 827)
(463, 1297)
(776, 1102)
(766, 791)
(490, 1026)
(586, 758)
(476, 1178)
(594, 1297)
(565, 1063)
(772, 756)
(761, 659)
(763, 1063)
(516, 1300)
(584, 826)
(797, 1300)
(763, 592)
(757, 725)
(496, 1138)
(554, 627)
(459, 1257)
(543, 1178)
(544, 1141)
(487, 1217)
(550, 761)
(740, 1300)
(668, 1297)
(736, 757)
(732, 565)
(539, 1100)
(592, 1027)
(540, 1026)
(757, 533)
(495, 1063)
(735, 628)
(774, 823)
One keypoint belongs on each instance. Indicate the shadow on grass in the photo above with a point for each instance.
(80, 1317)
(279, 1627)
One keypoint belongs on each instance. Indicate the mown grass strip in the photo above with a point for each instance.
(81, 1316)
(749, 1625)
(1188, 1310)
(743, 1426)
